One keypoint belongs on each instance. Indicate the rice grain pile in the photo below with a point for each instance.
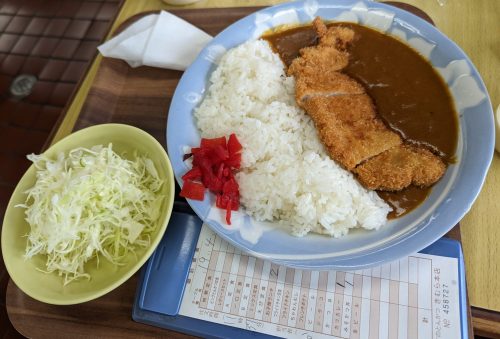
(286, 175)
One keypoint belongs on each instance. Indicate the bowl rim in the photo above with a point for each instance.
(135, 266)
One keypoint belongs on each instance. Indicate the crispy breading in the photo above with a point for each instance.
(336, 36)
(319, 26)
(400, 167)
(343, 108)
(325, 84)
(313, 60)
(349, 128)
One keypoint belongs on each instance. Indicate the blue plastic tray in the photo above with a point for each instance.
(163, 278)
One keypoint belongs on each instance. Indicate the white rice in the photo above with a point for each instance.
(286, 174)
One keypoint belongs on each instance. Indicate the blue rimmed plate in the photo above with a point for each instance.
(450, 198)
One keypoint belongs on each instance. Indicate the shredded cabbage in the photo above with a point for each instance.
(89, 203)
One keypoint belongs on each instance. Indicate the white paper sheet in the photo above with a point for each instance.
(415, 297)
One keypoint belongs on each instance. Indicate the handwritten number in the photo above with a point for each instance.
(209, 242)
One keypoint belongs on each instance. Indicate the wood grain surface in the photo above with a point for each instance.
(474, 26)
(138, 97)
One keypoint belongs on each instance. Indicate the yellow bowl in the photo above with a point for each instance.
(49, 288)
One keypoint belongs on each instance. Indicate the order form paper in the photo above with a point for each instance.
(415, 297)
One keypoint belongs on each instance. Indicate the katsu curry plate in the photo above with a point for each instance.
(325, 134)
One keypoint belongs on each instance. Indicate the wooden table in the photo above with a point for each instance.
(474, 26)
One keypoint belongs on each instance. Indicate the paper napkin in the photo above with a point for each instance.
(159, 40)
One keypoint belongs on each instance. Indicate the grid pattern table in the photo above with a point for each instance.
(54, 41)
(415, 297)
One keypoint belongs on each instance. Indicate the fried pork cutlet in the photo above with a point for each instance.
(349, 128)
(329, 56)
(400, 167)
(338, 36)
(347, 122)
(324, 84)
(314, 60)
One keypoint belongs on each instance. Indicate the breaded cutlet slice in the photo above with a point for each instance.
(351, 144)
(349, 128)
(400, 167)
(340, 108)
(313, 60)
(319, 26)
(325, 84)
(336, 36)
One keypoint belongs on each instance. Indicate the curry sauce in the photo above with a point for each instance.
(410, 96)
